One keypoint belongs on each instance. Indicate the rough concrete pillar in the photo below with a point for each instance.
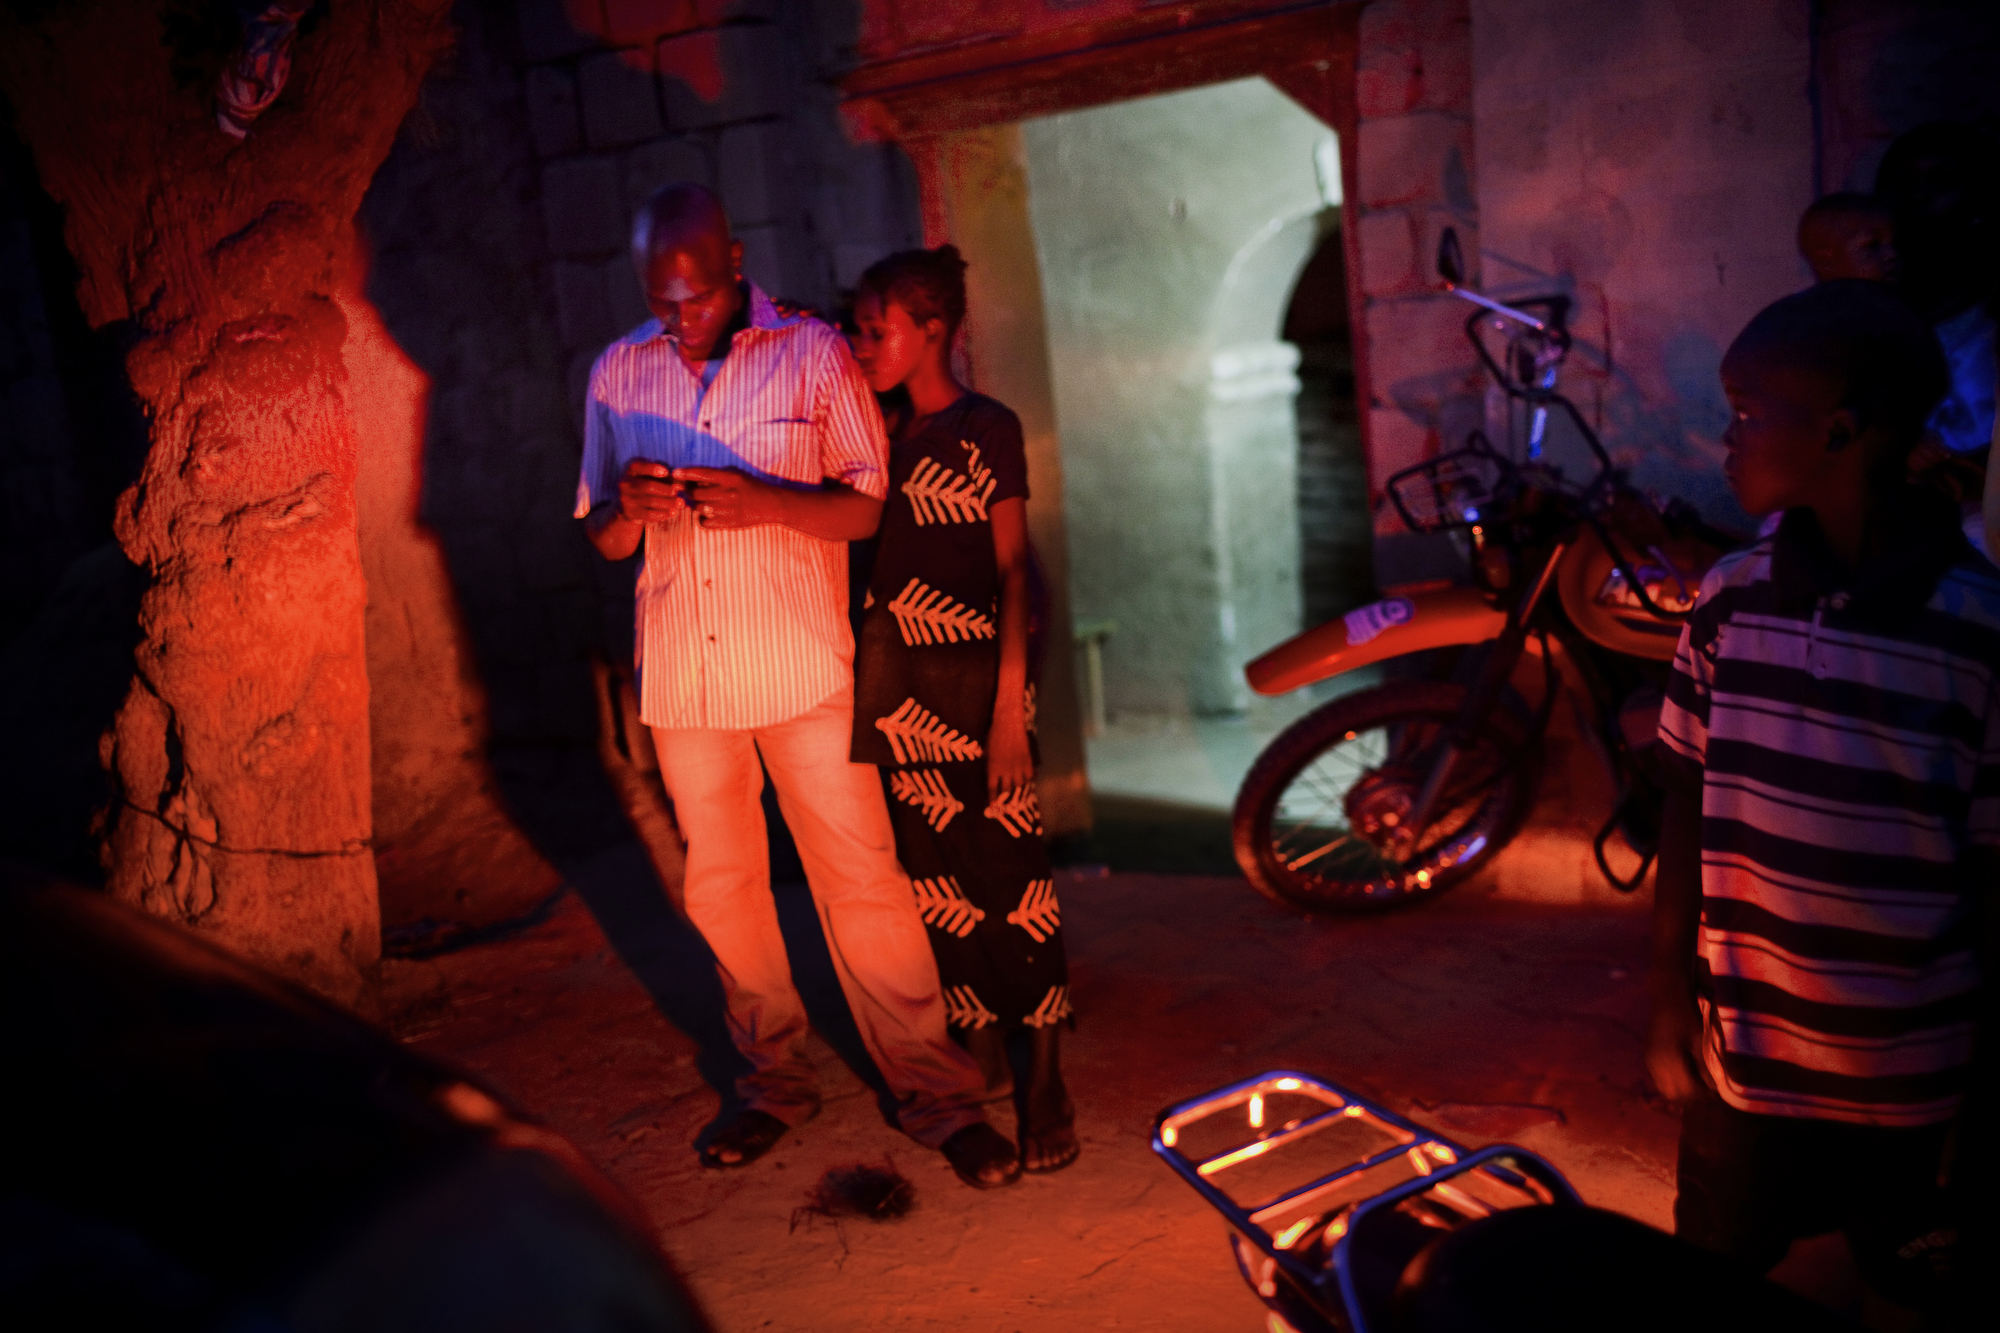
(1253, 462)
(239, 761)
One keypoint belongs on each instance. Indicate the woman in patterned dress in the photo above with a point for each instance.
(944, 700)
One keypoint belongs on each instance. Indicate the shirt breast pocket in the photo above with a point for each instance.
(786, 447)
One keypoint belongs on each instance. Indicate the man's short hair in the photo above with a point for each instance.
(1865, 338)
(675, 214)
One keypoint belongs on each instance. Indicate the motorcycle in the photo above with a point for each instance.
(1393, 793)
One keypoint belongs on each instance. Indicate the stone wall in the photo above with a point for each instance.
(1415, 174)
(624, 96)
(1651, 160)
(1885, 66)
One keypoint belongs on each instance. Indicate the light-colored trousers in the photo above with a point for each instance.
(836, 813)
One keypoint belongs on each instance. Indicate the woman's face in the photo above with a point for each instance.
(890, 345)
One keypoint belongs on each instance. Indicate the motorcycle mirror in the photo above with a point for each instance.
(1451, 259)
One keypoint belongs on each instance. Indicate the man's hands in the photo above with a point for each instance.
(724, 498)
(647, 493)
(720, 498)
(1673, 1049)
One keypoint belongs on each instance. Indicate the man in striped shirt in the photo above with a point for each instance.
(1830, 850)
(743, 449)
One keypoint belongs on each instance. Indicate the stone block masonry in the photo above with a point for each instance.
(1413, 173)
(625, 96)
(621, 100)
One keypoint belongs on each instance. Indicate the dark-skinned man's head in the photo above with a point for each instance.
(690, 267)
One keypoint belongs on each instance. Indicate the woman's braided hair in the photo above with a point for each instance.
(928, 284)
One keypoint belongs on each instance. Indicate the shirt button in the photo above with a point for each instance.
(1819, 671)
(711, 638)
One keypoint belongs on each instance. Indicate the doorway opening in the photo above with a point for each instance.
(1336, 539)
(1195, 308)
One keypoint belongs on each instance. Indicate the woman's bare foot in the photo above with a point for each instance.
(1048, 1121)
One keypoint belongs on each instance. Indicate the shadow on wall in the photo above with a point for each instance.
(1669, 438)
(72, 438)
(486, 606)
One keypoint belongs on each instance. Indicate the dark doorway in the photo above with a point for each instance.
(1336, 540)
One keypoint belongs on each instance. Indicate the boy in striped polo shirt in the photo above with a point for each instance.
(1820, 911)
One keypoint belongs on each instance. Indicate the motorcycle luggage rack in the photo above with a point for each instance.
(1296, 1240)
(1453, 490)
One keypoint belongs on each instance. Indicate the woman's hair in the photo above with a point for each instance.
(928, 284)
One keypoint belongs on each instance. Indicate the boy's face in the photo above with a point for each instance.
(1853, 245)
(1782, 418)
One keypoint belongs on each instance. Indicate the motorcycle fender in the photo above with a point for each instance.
(1441, 618)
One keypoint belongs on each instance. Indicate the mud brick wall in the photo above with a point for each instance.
(1413, 177)
(624, 96)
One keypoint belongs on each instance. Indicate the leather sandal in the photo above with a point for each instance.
(982, 1158)
(744, 1139)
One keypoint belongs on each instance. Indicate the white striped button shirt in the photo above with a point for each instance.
(746, 628)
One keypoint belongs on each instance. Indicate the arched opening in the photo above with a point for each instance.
(1172, 233)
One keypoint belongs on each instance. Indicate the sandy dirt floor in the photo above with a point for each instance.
(1487, 1018)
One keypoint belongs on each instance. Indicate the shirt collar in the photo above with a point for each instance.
(1922, 540)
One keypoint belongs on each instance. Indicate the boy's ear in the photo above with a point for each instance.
(1841, 430)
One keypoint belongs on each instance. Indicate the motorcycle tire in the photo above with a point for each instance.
(1288, 837)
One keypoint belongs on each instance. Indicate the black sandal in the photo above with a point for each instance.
(744, 1139)
(982, 1158)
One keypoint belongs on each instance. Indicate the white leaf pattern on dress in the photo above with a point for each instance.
(962, 1007)
(944, 905)
(1019, 811)
(939, 495)
(1053, 1009)
(1038, 913)
(917, 734)
(1028, 706)
(925, 789)
(926, 615)
(868, 600)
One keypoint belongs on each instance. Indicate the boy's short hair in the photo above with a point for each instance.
(1867, 339)
(1844, 204)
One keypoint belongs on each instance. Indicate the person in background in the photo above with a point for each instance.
(1941, 183)
(945, 696)
(741, 447)
(1848, 235)
(1823, 911)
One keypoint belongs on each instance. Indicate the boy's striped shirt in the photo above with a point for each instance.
(1849, 746)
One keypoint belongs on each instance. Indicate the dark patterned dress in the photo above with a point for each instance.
(926, 668)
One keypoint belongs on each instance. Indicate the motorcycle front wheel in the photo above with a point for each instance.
(1318, 820)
